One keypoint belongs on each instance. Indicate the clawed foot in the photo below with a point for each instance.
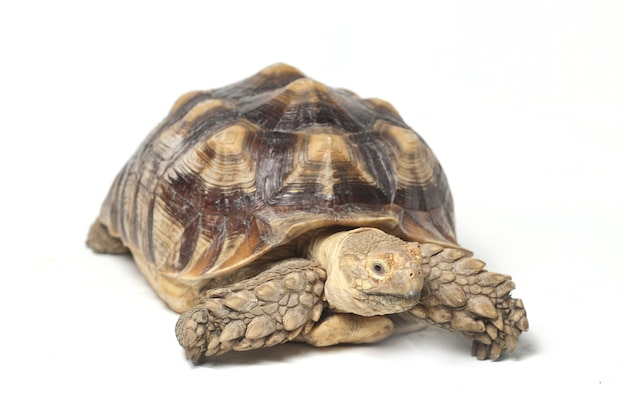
(101, 241)
(191, 331)
(502, 333)
(271, 308)
(463, 297)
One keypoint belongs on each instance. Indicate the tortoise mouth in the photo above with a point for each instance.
(392, 303)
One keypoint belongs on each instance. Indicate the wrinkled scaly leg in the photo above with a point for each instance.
(339, 328)
(271, 308)
(100, 240)
(460, 295)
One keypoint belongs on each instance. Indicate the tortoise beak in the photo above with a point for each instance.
(401, 291)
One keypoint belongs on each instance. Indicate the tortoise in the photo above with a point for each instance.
(279, 209)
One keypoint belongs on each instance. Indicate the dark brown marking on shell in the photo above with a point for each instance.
(268, 79)
(305, 103)
(268, 158)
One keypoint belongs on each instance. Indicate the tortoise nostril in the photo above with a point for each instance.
(414, 273)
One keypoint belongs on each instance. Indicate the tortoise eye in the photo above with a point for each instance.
(379, 268)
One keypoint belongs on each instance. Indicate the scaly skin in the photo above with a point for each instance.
(101, 241)
(285, 303)
(461, 296)
(272, 308)
(362, 271)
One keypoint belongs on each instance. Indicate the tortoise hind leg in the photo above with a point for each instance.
(271, 308)
(101, 241)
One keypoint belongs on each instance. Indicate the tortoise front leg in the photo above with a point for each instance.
(269, 309)
(460, 295)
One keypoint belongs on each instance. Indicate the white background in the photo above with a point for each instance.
(524, 102)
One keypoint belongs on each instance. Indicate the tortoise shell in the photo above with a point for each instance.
(235, 172)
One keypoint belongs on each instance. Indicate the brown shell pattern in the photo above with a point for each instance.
(233, 172)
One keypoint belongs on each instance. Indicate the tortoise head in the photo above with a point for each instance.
(369, 271)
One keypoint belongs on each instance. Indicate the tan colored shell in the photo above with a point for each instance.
(235, 172)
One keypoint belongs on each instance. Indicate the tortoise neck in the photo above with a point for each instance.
(323, 246)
